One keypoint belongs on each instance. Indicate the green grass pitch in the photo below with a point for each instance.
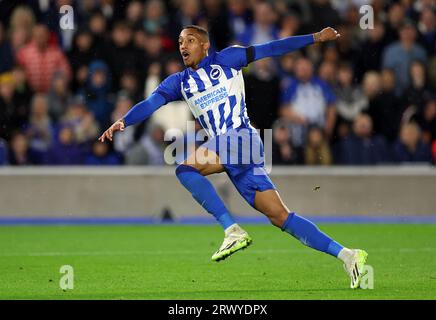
(173, 262)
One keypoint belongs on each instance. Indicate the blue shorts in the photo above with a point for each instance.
(241, 152)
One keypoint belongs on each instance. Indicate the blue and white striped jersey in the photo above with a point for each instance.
(214, 92)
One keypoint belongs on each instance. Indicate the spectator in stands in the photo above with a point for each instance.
(427, 29)
(123, 142)
(80, 80)
(283, 152)
(13, 112)
(290, 25)
(351, 100)
(386, 109)
(65, 150)
(347, 45)
(239, 17)
(64, 36)
(410, 8)
(433, 151)
(6, 106)
(371, 85)
(395, 19)
(362, 147)
(40, 129)
(218, 24)
(330, 54)
(139, 39)
(81, 55)
(317, 150)
(430, 71)
(6, 54)
(370, 53)
(22, 22)
(101, 155)
(399, 56)
(420, 5)
(98, 27)
(191, 143)
(419, 90)
(327, 72)
(156, 19)
(135, 14)
(97, 92)
(121, 54)
(287, 68)
(81, 120)
(3, 152)
(323, 14)
(58, 96)
(262, 89)
(149, 149)
(307, 101)
(409, 147)
(20, 154)
(41, 60)
(188, 13)
(352, 20)
(129, 83)
(22, 92)
(263, 28)
(18, 39)
(427, 121)
(153, 51)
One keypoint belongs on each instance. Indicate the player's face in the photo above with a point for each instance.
(193, 47)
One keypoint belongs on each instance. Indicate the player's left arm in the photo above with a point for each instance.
(282, 46)
(137, 113)
(167, 91)
(238, 57)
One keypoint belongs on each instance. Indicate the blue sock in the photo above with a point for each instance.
(204, 192)
(310, 235)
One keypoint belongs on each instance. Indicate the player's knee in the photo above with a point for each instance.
(181, 168)
(278, 216)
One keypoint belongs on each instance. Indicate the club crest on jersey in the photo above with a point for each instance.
(215, 73)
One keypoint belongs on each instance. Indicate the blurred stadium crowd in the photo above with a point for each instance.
(367, 99)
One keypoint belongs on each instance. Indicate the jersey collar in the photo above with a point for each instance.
(205, 61)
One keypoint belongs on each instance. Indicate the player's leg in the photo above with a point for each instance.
(191, 175)
(269, 203)
(255, 186)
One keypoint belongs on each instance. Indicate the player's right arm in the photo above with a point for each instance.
(167, 91)
(138, 113)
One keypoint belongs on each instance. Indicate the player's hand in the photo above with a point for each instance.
(326, 34)
(109, 133)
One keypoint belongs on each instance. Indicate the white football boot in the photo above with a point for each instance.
(354, 266)
(235, 239)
